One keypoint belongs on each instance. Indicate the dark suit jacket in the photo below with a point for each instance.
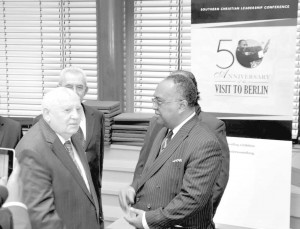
(176, 187)
(94, 147)
(95, 127)
(10, 132)
(54, 191)
(14, 217)
(218, 128)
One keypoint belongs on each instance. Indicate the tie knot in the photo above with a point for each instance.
(68, 146)
(169, 135)
(166, 140)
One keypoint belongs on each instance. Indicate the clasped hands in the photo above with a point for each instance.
(126, 199)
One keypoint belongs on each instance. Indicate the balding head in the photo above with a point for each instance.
(62, 111)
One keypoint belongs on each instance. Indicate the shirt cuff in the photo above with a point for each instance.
(130, 188)
(144, 222)
(11, 204)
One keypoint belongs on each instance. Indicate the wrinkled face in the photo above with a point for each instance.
(75, 82)
(166, 103)
(64, 117)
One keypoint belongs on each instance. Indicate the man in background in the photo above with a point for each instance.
(175, 187)
(58, 188)
(92, 126)
(13, 213)
(214, 124)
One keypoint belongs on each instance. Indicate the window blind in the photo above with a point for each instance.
(161, 45)
(37, 39)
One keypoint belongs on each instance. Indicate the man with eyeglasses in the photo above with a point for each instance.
(175, 187)
(217, 126)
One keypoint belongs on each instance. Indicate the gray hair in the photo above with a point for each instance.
(71, 70)
(53, 97)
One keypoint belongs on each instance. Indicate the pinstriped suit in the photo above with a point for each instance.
(54, 190)
(219, 129)
(176, 187)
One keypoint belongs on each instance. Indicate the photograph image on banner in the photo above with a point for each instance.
(243, 57)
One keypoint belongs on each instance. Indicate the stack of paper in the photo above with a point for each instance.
(110, 110)
(130, 128)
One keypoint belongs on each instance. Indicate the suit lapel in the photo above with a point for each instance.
(167, 153)
(63, 155)
(77, 145)
(155, 147)
(90, 123)
(1, 130)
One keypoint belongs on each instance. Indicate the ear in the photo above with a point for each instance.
(46, 115)
(86, 90)
(183, 105)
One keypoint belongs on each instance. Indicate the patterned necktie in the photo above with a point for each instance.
(68, 146)
(166, 141)
(80, 135)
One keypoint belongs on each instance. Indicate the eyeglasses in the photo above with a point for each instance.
(79, 88)
(158, 102)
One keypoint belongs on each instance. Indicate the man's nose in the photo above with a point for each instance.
(76, 114)
(75, 89)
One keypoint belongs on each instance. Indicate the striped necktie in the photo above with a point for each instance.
(166, 141)
(69, 148)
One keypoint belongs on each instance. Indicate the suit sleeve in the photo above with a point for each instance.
(223, 177)
(199, 177)
(20, 217)
(38, 191)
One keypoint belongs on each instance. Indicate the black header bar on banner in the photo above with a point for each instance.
(213, 11)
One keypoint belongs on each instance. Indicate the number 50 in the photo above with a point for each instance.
(227, 52)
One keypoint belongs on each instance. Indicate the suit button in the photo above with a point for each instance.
(137, 199)
(148, 206)
(157, 186)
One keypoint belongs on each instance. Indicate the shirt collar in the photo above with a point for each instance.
(62, 139)
(177, 128)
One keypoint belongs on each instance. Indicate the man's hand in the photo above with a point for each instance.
(14, 185)
(135, 217)
(126, 198)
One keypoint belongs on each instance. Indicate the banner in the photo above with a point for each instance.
(243, 57)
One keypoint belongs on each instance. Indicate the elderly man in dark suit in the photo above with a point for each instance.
(218, 128)
(58, 188)
(92, 126)
(10, 132)
(175, 187)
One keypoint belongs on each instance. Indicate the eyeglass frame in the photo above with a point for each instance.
(158, 103)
